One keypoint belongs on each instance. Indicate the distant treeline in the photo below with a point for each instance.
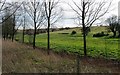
(31, 31)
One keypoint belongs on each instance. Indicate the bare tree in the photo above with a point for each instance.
(88, 12)
(112, 21)
(15, 26)
(8, 5)
(9, 26)
(52, 16)
(35, 10)
(17, 18)
(23, 31)
(24, 17)
(118, 29)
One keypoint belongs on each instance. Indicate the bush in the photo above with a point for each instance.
(87, 30)
(16, 39)
(73, 32)
(63, 33)
(100, 34)
(67, 28)
(61, 29)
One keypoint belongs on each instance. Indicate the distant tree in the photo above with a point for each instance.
(118, 26)
(8, 5)
(35, 10)
(52, 16)
(15, 26)
(7, 17)
(100, 34)
(118, 29)
(17, 18)
(113, 24)
(23, 30)
(24, 24)
(7, 26)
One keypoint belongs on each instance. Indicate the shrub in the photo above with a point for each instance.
(16, 39)
(73, 32)
(100, 34)
(67, 28)
(63, 33)
(61, 29)
(87, 30)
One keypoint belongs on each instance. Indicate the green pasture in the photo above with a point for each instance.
(96, 47)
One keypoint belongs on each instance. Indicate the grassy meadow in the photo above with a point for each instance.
(103, 47)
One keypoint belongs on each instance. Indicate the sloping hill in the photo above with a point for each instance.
(21, 58)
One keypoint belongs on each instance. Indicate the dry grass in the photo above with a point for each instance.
(21, 58)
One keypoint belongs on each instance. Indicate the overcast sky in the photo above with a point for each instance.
(66, 22)
(68, 14)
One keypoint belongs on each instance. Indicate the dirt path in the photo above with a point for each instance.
(21, 58)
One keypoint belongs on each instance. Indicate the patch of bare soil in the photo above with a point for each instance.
(22, 58)
(112, 65)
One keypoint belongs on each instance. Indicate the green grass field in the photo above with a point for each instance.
(96, 47)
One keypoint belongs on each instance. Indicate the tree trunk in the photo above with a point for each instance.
(119, 47)
(34, 38)
(34, 28)
(119, 34)
(48, 31)
(114, 33)
(84, 29)
(7, 36)
(23, 35)
(4, 36)
(13, 32)
(12, 37)
(23, 31)
(13, 28)
(85, 50)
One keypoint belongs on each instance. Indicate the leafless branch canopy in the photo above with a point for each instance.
(90, 10)
(9, 7)
(35, 10)
(53, 11)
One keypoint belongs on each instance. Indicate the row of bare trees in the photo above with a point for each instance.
(47, 12)
(8, 18)
(42, 13)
